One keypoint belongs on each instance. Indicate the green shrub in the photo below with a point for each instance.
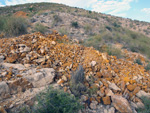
(78, 75)
(76, 83)
(56, 101)
(114, 51)
(147, 67)
(2, 23)
(109, 28)
(92, 91)
(74, 24)
(90, 12)
(40, 28)
(146, 102)
(57, 18)
(138, 61)
(88, 29)
(63, 31)
(116, 25)
(15, 26)
(93, 41)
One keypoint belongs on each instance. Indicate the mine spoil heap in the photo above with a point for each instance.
(119, 82)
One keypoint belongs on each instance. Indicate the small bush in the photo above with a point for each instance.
(2, 23)
(138, 61)
(63, 31)
(146, 102)
(15, 26)
(57, 18)
(92, 91)
(78, 75)
(116, 25)
(147, 68)
(88, 29)
(76, 83)
(94, 41)
(114, 51)
(56, 101)
(109, 28)
(90, 12)
(74, 24)
(40, 28)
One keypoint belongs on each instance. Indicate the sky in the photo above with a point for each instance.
(133, 9)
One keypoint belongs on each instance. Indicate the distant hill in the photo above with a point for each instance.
(90, 28)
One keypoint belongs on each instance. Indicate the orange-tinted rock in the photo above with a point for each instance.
(18, 75)
(98, 98)
(2, 110)
(131, 87)
(106, 100)
(19, 85)
(65, 89)
(92, 99)
(126, 79)
(136, 90)
(11, 59)
(99, 74)
(60, 81)
(122, 86)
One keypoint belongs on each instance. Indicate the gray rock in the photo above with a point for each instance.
(23, 48)
(4, 74)
(16, 66)
(100, 93)
(4, 90)
(93, 105)
(114, 87)
(111, 110)
(1, 57)
(105, 111)
(42, 78)
(39, 60)
(143, 93)
(84, 98)
(93, 63)
(109, 93)
(121, 104)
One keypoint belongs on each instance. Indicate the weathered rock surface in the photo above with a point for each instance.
(16, 66)
(121, 104)
(4, 90)
(114, 87)
(2, 110)
(143, 93)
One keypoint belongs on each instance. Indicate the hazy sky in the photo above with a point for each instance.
(134, 9)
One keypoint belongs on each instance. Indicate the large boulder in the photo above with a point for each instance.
(121, 104)
(19, 85)
(44, 77)
(142, 93)
(16, 66)
(4, 90)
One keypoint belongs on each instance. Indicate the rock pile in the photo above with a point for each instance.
(30, 61)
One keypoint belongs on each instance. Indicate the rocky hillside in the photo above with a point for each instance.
(91, 28)
(52, 8)
(107, 84)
